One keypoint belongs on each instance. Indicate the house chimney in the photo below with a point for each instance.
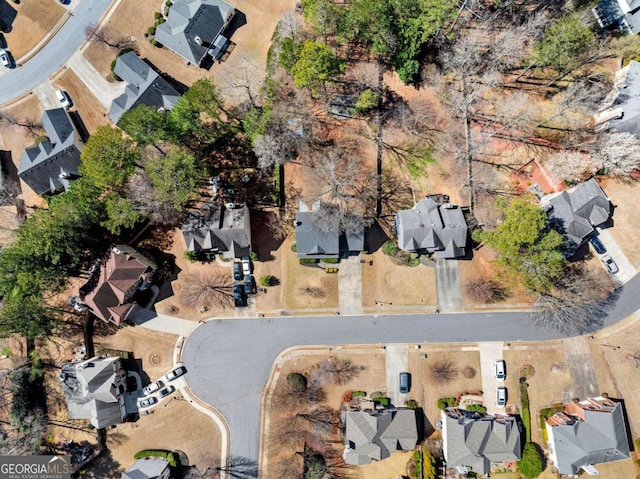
(198, 40)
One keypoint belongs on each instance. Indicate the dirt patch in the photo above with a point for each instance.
(88, 107)
(387, 284)
(33, 20)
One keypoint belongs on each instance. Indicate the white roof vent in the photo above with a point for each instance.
(198, 40)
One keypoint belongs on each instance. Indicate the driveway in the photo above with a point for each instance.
(55, 53)
(490, 352)
(396, 363)
(448, 283)
(47, 95)
(229, 360)
(350, 285)
(626, 269)
(104, 91)
(584, 382)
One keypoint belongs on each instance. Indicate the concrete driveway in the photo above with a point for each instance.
(626, 269)
(583, 375)
(350, 285)
(397, 360)
(448, 284)
(490, 352)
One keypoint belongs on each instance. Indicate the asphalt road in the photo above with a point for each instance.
(229, 360)
(54, 54)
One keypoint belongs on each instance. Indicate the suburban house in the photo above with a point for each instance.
(473, 442)
(622, 14)
(576, 212)
(432, 227)
(219, 229)
(194, 29)
(620, 110)
(49, 167)
(588, 432)
(373, 435)
(94, 389)
(110, 290)
(316, 238)
(148, 468)
(144, 87)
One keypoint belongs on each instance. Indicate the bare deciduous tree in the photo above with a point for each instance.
(28, 125)
(443, 371)
(207, 289)
(322, 419)
(313, 291)
(571, 166)
(335, 370)
(618, 154)
(108, 37)
(140, 192)
(243, 80)
(484, 290)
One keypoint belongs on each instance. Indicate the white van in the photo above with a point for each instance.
(500, 370)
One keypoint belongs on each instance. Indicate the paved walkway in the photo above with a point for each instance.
(396, 363)
(448, 284)
(104, 91)
(350, 285)
(489, 353)
(584, 383)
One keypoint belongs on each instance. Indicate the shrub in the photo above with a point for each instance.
(265, 280)
(469, 372)
(476, 408)
(377, 394)
(157, 15)
(191, 256)
(168, 3)
(531, 463)
(389, 248)
(412, 404)
(367, 100)
(331, 260)
(447, 402)
(297, 382)
(383, 401)
(294, 247)
(151, 31)
(358, 394)
(416, 455)
(253, 256)
(413, 260)
(308, 261)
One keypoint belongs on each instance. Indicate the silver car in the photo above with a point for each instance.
(153, 387)
(501, 397)
(610, 264)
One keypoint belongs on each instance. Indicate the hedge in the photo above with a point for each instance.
(168, 455)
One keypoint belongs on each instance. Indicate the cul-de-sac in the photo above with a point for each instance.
(319, 239)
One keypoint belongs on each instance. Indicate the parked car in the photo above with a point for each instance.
(237, 271)
(501, 397)
(500, 370)
(610, 264)
(238, 295)
(597, 245)
(63, 99)
(246, 265)
(163, 393)
(153, 387)
(3, 42)
(5, 59)
(405, 383)
(175, 373)
(146, 402)
(248, 284)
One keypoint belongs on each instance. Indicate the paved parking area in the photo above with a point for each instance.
(627, 271)
(397, 362)
(489, 353)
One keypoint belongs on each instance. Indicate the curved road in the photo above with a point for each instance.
(229, 361)
(55, 53)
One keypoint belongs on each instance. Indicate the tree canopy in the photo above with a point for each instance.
(527, 247)
(316, 64)
(174, 178)
(563, 44)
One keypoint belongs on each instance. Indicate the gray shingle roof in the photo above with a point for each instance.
(576, 212)
(94, 390)
(376, 435)
(188, 19)
(144, 87)
(439, 229)
(622, 105)
(216, 228)
(50, 166)
(600, 437)
(146, 468)
(314, 237)
(475, 440)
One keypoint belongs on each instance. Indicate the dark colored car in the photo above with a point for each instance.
(163, 393)
(248, 284)
(597, 245)
(405, 383)
(238, 295)
(237, 271)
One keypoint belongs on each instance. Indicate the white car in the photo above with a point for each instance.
(63, 99)
(500, 369)
(501, 397)
(610, 264)
(175, 373)
(153, 387)
(246, 265)
(4, 58)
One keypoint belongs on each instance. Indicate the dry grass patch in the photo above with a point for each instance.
(91, 111)
(387, 282)
(391, 468)
(625, 196)
(34, 19)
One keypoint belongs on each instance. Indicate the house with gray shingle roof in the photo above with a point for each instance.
(474, 441)
(51, 165)
(319, 238)
(622, 14)
(576, 212)
(432, 228)
(148, 468)
(94, 389)
(620, 110)
(144, 87)
(375, 435)
(194, 29)
(218, 229)
(586, 433)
